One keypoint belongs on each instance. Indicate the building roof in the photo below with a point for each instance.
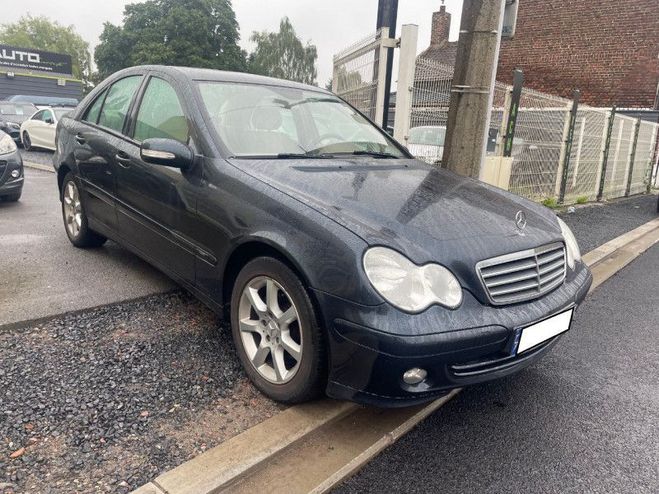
(443, 52)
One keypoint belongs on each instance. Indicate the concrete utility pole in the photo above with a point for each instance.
(473, 84)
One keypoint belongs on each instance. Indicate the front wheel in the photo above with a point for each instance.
(75, 219)
(276, 332)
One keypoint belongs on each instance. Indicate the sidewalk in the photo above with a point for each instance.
(596, 224)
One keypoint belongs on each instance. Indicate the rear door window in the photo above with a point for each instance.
(117, 103)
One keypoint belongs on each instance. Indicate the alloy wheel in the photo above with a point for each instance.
(72, 209)
(270, 330)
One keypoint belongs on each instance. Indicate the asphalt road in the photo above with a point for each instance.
(42, 274)
(584, 419)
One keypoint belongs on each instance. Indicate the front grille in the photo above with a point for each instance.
(523, 275)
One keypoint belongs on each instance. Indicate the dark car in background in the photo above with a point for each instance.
(12, 115)
(11, 170)
(344, 264)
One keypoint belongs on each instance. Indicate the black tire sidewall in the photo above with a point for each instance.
(309, 381)
(27, 142)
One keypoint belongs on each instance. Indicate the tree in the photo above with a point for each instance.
(193, 33)
(40, 33)
(283, 55)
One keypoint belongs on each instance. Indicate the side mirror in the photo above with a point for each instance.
(49, 121)
(166, 152)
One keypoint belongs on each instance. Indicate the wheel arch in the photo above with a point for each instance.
(62, 171)
(251, 249)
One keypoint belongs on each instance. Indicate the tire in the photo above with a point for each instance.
(27, 142)
(269, 338)
(76, 224)
(12, 197)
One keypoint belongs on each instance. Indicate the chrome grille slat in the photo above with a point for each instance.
(523, 275)
(511, 268)
(550, 267)
(513, 278)
(544, 259)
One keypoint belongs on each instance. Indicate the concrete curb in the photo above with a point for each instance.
(234, 458)
(39, 166)
(255, 451)
(598, 254)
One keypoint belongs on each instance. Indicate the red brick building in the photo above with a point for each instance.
(609, 49)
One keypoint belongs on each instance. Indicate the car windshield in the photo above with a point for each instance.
(429, 136)
(283, 122)
(17, 109)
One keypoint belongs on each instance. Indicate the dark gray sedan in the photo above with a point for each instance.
(345, 265)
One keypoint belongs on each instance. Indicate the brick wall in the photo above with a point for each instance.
(609, 49)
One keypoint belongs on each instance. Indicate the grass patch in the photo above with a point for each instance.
(582, 199)
(550, 202)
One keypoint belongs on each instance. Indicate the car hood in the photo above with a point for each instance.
(427, 213)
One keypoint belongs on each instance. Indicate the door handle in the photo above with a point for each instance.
(123, 159)
(80, 139)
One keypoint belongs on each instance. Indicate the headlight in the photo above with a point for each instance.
(407, 286)
(7, 144)
(572, 247)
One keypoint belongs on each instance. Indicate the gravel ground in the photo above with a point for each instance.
(596, 224)
(106, 400)
(41, 156)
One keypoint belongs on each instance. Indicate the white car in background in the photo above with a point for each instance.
(427, 142)
(39, 130)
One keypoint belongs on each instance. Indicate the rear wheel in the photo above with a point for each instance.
(27, 142)
(75, 219)
(276, 332)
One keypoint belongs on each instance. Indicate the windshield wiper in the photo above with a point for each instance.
(374, 154)
(283, 156)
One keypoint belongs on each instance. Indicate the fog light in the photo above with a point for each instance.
(15, 174)
(414, 376)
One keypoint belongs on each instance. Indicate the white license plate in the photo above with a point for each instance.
(544, 330)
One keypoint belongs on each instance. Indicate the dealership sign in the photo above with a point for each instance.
(24, 58)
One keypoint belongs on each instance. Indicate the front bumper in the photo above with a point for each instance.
(371, 347)
(8, 184)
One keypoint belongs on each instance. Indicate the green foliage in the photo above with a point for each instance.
(40, 33)
(193, 33)
(283, 55)
(550, 202)
(582, 199)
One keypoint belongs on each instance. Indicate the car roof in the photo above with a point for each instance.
(197, 74)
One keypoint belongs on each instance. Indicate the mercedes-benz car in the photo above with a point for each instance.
(39, 130)
(11, 170)
(344, 265)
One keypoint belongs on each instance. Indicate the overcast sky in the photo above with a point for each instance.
(330, 25)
